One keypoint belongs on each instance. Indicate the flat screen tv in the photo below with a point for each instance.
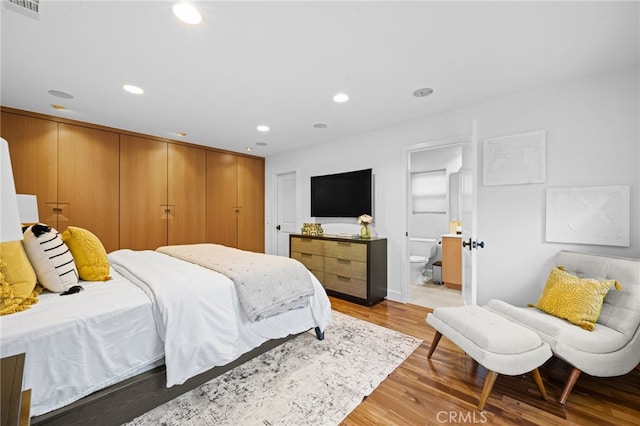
(342, 194)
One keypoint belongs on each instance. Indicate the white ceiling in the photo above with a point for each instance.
(280, 63)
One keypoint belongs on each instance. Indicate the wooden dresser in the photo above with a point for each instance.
(349, 268)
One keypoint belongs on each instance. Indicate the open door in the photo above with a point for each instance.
(469, 217)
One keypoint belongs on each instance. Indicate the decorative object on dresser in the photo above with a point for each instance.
(349, 268)
(313, 229)
(364, 221)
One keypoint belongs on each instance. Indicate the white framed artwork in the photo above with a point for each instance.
(588, 215)
(514, 159)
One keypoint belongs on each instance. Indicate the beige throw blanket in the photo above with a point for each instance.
(267, 285)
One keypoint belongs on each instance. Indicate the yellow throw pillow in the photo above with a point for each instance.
(88, 253)
(17, 279)
(578, 300)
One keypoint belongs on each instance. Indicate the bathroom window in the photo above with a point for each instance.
(429, 191)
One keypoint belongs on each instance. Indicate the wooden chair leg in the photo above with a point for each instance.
(568, 385)
(538, 379)
(486, 388)
(434, 343)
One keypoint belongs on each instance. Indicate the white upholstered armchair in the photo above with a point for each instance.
(613, 347)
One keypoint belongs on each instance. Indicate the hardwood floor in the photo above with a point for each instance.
(445, 389)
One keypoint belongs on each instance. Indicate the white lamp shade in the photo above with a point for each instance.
(10, 229)
(28, 208)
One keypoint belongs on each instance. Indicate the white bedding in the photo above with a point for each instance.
(156, 306)
(69, 341)
(199, 316)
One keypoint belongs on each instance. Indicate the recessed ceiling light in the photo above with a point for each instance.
(341, 97)
(421, 93)
(60, 94)
(58, 107)
(181, 134)
(249, 148)
(320, 125)
(187, 13)
(263, 128)
(133, 89)
(262, 143)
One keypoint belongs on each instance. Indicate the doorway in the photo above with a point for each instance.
(433, 202)
(455, 161)
(286, 214)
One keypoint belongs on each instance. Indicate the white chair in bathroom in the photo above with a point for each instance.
(420, 251)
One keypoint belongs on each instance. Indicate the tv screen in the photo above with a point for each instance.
(342, 194)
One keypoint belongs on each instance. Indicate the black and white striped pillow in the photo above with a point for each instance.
(50, 258)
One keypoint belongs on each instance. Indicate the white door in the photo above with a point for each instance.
(469, 217)
(285, 211)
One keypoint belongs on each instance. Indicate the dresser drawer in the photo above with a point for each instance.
(346, 268)
(307, 245)
(311, 261)
(346, 285)
(346, 250)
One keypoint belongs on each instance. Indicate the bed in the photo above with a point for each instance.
(160, 327)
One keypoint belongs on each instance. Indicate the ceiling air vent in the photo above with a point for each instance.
(30, 8)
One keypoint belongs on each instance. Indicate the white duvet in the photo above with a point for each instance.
(156, 306)
(80, 343)
(198, 314)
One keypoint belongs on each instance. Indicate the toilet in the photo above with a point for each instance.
(421, 250)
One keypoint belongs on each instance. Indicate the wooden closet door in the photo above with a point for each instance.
(143, 193)
(187, 194)
(251, 203)
(88, 181)
(33, 147)
(222, 198)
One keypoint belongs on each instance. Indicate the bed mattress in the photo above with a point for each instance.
(156, 309)
(74, 344)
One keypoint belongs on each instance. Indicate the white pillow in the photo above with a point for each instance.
(50, 258)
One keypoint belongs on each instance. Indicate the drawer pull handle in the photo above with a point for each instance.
(343, 260)
(343, 278)
(307, 254)
(344, 243)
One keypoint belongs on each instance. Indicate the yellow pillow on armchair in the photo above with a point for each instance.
(88, 254)
(578, 300)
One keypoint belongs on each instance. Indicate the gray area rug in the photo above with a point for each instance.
(302, 382)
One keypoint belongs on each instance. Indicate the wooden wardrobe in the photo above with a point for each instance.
(132, 190)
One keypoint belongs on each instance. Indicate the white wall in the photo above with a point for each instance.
(593, 138)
